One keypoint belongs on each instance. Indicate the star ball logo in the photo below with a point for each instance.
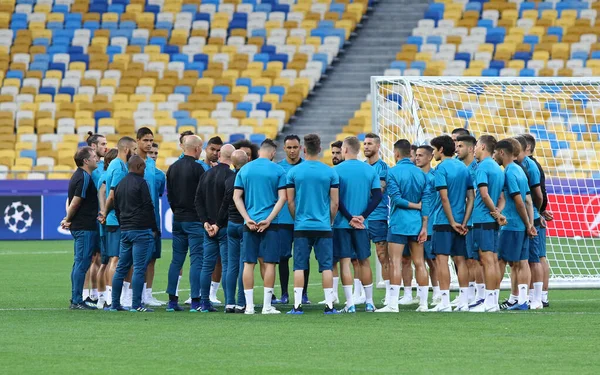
(18, 217)
(592, 215)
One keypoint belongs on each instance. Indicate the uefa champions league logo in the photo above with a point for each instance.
(18, 217)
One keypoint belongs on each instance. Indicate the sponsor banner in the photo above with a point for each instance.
(21, 217)
(574, 215)
(166, 218)
(55, 209)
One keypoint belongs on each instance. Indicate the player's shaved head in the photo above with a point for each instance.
(136, 165)
(239, 158)
(125, 143)
(352, 145)
(267, 149)
(226, 152)
(191, 141)
(403, 147)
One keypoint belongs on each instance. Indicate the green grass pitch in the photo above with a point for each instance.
(39, 334)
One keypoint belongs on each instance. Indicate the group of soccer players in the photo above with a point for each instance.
(237, 208)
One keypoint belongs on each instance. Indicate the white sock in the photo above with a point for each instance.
(357, 288)
(530, 295)
(329, 297)
(463, 296)
(129, 293)
(537, 292)
(522, 294)
(86, 293)
(125, 286)
(214, 287)
(249, 294)
(148, 294)
(336, 283)
(490, 298)
(177, 288)
(102, 295)
(94, 294)
(423, 293)
(480, 291)
(512, 298)
(267, 298)
(144, 296)
(436, 291)
(109, 294)
(544, 296)
(387, 291)
(348, 294)
(369, 293)
(445, 297)
(297, 297)
(394, 294)
(497, 295)
(407, 292)
(472, 291)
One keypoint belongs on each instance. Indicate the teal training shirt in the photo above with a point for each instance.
(434, 199)
(116, 171)
(284, 216)
(534, 176)
(407, 183)
(312, 181)
(515, 183)
(488, 174)
(260, 180)
(452, 175)
(383, 210)
(357, 179)
(472, 172)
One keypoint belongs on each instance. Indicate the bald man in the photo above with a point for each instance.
(135, 212)
(182, 179)
(208, 202)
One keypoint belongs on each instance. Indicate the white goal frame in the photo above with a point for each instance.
(414, 132)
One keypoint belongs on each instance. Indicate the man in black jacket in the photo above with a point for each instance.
(182, 180)
(235, 231)
(209, 198)
(135, 213)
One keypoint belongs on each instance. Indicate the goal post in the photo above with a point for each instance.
(563, 114)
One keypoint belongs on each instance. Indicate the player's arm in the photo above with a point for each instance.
(102, 195)
(529, 206)
(334, 202)
(281, 199)
(448, 210)
(501, 202)
(200, 201)
(469, 206)
(537, 197)
(224, 209)
(291, 200)
(238, 199)
(109, 202)
(147, 205)
(395, 195)
(522, 210)
(76, 202)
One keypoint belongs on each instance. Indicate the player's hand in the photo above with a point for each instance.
(64, 224)
(543, 223)
(215, 229)
(501, 220)
(251, 224)
(262, 226)
(459, 228)
(548, 215)
(531, 231)
(422, 236)
(356, 223)
(419, 205)
(360, 218)
(101, 217)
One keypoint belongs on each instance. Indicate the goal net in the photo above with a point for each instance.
(563, 114)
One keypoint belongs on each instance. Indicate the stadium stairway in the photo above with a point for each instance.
(371, 51)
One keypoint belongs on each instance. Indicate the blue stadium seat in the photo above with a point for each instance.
(236, 137)
(257, 138)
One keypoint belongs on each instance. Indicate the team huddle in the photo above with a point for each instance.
(237, 208)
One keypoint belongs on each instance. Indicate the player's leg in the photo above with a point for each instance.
(101, 276)
(113, 247)
(396, 245)
(362, 246)
(224, 256)
(285, 247)
(359, 290)
(156, 254)
(524, 275)
(270, 250)
(180, 249)
(342, 252)
(407, 277)
(215, 281)
(336, 281)
(431, 263)
(301, 257)
(418, 259)
(123, 266)
(537, 273)
(209, 261)
(544, 263)
(305, 299)
(81, 264)
(442, 243)
(233, 266)
(324, 253)
(250, 246)
(142, 251)
(127, 292)
(378, 235)
(476, 284)
(459, 257)
(484, 239)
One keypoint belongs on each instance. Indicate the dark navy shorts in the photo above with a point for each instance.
(446, 241)
(113, 241)
(378, 230)
(513, 246)
(351, 243)
(485, 238)
(264, 245)
(472, 253)
(323, 247)
(286, 238)
(541, 243)
(428, 249)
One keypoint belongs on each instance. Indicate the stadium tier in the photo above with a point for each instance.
(505, 39)
(238, 69)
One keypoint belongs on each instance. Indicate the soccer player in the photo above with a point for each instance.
(188, 232)
(413, 153)
(235, 231)
(135, 213)
(406, 268)
(534, 179)
(409, 199)
(291, 146)
(248, 147)
(457, 133)
(336, 153)
(259, 196)
(360, 194)
(455, 187)
(104, 298)
(489, 179)
(378, 220)
(546, 215)
(465, 149)
(423, 161)
(313, 197)
(209, 199)
(513, 244)
(145, 141)
(117, 170)
(81, 220)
